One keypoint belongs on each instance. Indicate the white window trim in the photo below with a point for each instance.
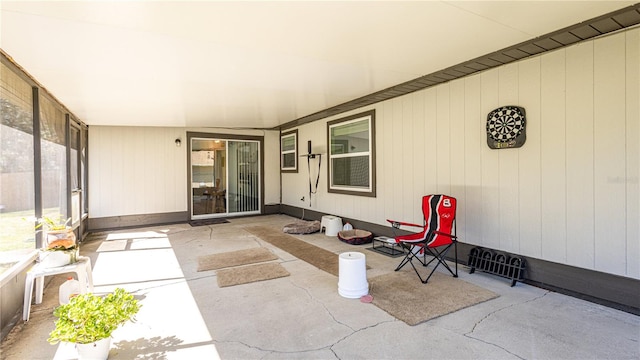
(294, 151)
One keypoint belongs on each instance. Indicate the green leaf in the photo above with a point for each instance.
(88, 318)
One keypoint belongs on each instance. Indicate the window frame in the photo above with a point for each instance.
(284, 135)
(370, 191)
(41, 129)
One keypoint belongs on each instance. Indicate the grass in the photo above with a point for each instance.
(18, 235)
(17, 231)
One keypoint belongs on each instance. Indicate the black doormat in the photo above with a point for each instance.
(208, 222)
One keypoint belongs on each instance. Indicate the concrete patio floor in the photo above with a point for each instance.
(185, 315)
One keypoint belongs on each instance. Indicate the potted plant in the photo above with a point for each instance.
(59, 242)
(88, 320)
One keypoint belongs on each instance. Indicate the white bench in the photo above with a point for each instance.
(36, 274)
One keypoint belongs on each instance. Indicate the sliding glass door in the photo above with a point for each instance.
(225, 177)
(244, 179)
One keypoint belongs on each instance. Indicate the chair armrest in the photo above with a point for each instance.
(397, 224)
(445, 234)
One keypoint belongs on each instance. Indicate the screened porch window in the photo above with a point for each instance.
(352, 155)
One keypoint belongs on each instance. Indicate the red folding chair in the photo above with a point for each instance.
(437, 237)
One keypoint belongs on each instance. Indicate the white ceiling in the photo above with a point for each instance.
(255, 63)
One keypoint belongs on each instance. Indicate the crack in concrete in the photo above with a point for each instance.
(321, 304)
(469, 334)
(197, 238)
(273, 351)
(359, 330)
(201, 277)
(353, 331)
(328, 347)
(268, 351)
(258, 242)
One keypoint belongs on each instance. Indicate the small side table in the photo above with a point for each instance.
(331, 224)
(387, 246)
(82, 268)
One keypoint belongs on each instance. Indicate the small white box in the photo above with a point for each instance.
(331, 224)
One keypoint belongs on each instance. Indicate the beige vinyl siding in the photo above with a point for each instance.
(633, 152)
(136, 170)
(530, 186)
(609, 154)
(580, 161)
(569, 195)
(553, 174)
(139, 170)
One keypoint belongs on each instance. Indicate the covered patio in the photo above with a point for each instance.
(185, 315)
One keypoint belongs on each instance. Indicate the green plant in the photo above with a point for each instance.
(57, 234)
(88, 318)
(53, 223)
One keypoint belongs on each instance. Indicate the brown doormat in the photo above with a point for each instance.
(402, 295)
(204, 222)
(251, 273)
(235, 258)
(318, 257)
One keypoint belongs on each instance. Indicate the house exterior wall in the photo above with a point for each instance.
(570, 195)
(140, 171)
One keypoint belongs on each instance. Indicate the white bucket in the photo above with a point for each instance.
(98, 350)
(352, 275)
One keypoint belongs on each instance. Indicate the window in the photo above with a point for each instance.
(74, 162)
(352, 155)
(42, 148)
(17, 204)
(289, 151)
(84, 171)
(54, 159)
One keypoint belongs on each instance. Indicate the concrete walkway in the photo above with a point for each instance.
(185, 315)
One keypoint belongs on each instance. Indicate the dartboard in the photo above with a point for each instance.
(506, 127)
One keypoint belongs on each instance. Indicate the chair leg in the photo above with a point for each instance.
(455, 245)
(440, 257)
(407, 258)
(411, 255)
